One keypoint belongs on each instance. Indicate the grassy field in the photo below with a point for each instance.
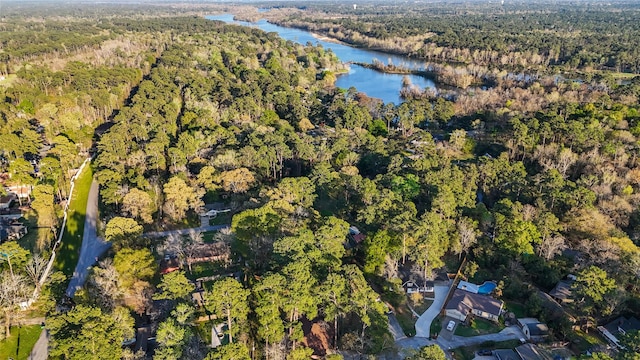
(69, 249)
(19, 345)
(478, 327)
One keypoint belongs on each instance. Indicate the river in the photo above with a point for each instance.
(373, 83)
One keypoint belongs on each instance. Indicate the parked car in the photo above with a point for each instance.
(451, 325)
(485, 352)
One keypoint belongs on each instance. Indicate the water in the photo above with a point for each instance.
(373, 83)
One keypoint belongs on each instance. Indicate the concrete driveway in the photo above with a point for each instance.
(509, 333)
(423, 325)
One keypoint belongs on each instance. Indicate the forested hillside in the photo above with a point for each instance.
(256, 211)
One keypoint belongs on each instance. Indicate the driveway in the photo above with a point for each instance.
(423, 325)
(395, 328)
(509, 333)
(160, 234)
(92, 246)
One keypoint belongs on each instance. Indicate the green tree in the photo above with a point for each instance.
(85, 332)
(228, 300)
(269, 294)
(430, 352)
(631, 341)
(174, 286)
(43, 205)
(180, 197)
(122, 231)
(134, 265)
(172, 337)
(139, 205)
(13, 255)
(234, 351)
(377, 248)
(592, 284)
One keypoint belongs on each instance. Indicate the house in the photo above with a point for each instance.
(21, 191)
(411, 287)
(11, 230)
(562, 291)
(531, 352)
(506, 354)
(7, 200)
(463, 304)
(522, 352)
(533, 329)
(212, 252)
(618, 327)
(355, 237)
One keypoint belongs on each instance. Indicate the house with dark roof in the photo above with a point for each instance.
(463, 304)
(7, 200)
(11, 230)
(533, 329)
(531, 352)
(562, 291)
(522, 352)
(618, 327)
(411, 287)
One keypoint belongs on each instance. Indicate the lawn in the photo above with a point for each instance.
(69, 250)
(221, 219)
(436, 326)
(421, 307)
(468, 353)
(584, 341)
(19, 345)
(478, 327)
(517, 309)
(204, 269)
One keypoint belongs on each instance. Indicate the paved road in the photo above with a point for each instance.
(423, 325)
(40, 350)
(509, 333)
(395, 328)
(92, 246)
(184, 231)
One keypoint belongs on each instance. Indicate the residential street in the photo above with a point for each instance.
(423, 325)
(40, 350)
(509, 333)
(92, 246)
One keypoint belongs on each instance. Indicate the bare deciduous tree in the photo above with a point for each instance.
(13, 291)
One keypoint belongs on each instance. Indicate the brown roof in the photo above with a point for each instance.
(464, 302)
(531, 352)
(562, 290)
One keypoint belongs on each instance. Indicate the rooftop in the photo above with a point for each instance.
(464, 301)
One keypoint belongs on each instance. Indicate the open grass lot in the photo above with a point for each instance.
(69, 250)
(468, 353)
(478, 327)
(19, 345)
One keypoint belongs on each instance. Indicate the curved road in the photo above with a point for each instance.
(92, 246)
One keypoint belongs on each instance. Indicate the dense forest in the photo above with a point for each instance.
(325, 201)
